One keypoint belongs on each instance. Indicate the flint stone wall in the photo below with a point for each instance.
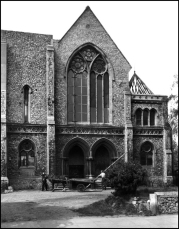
(167, 204)
(26, 64)
(87, 29)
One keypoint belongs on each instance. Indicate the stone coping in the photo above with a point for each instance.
(174, 193)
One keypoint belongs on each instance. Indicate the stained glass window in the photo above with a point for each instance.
(88, 65)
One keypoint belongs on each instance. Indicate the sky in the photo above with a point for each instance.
(146, 32)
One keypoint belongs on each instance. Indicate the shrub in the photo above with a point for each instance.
(126, 177)
(131, 210)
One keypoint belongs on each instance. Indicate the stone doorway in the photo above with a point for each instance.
(76, 162)
(101, 159)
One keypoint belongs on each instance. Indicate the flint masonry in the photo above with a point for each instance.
(68, 107)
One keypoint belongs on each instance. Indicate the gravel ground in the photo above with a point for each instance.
(21, 206)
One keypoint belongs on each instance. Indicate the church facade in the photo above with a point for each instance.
(68, 108)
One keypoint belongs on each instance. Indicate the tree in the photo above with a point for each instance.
(173, 118)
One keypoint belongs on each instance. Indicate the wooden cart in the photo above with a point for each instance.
(81, 184)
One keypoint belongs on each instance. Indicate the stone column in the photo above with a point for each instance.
(128, 127)
(65, 166)
(51, 152)
(3, 112)
(90, 168)
(142, 118)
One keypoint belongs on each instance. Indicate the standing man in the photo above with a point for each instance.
(44, 181)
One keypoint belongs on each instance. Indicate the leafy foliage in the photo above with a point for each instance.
(126, 177)
(173, 117)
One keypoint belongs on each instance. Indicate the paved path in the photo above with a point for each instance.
(163, 221)
(36, 209)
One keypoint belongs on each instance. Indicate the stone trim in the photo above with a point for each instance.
(26, 129)
(148, 131)
(90, 130)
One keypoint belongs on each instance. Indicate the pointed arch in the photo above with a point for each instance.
(89, 85)
(27, 91)
(26, 150)
(76, 141)
(107, 143)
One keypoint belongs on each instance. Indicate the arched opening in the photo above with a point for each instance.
(27, 91)
(88, 87)
(101, 159)
(138, 116)
(76, 162)
(27, 158)
(146, 154)
(145, 117)
(26, 153)
(152, 117)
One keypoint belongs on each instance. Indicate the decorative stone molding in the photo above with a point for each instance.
(90, 130)
(26, 129)
(148, 131)
(158, 99)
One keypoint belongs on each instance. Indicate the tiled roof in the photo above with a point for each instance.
(137, 86)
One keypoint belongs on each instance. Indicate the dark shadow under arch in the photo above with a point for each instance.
(79, 142)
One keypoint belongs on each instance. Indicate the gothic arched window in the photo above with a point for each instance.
(146, 154)
(152, 117)
(138, 115)
(26, 153)
(88, 87)
(26, 91)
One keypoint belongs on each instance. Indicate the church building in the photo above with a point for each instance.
(68, 108)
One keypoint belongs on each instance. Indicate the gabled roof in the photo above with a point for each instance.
(83, 15)
(137, 86)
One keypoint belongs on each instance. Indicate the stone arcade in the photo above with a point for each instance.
(68, 108)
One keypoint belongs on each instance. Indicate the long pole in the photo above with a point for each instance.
(108, 168)
(114, 162)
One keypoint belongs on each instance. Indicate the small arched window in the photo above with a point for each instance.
(152, 117)
(26, 153)
(146, 154)
(138, 115)
(26, 91)
(145, 117)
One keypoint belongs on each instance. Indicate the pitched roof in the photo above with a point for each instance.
(137, 86)
(82, 15)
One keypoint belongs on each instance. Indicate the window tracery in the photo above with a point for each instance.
(88, 101)
(26, 153)
(146, 154)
